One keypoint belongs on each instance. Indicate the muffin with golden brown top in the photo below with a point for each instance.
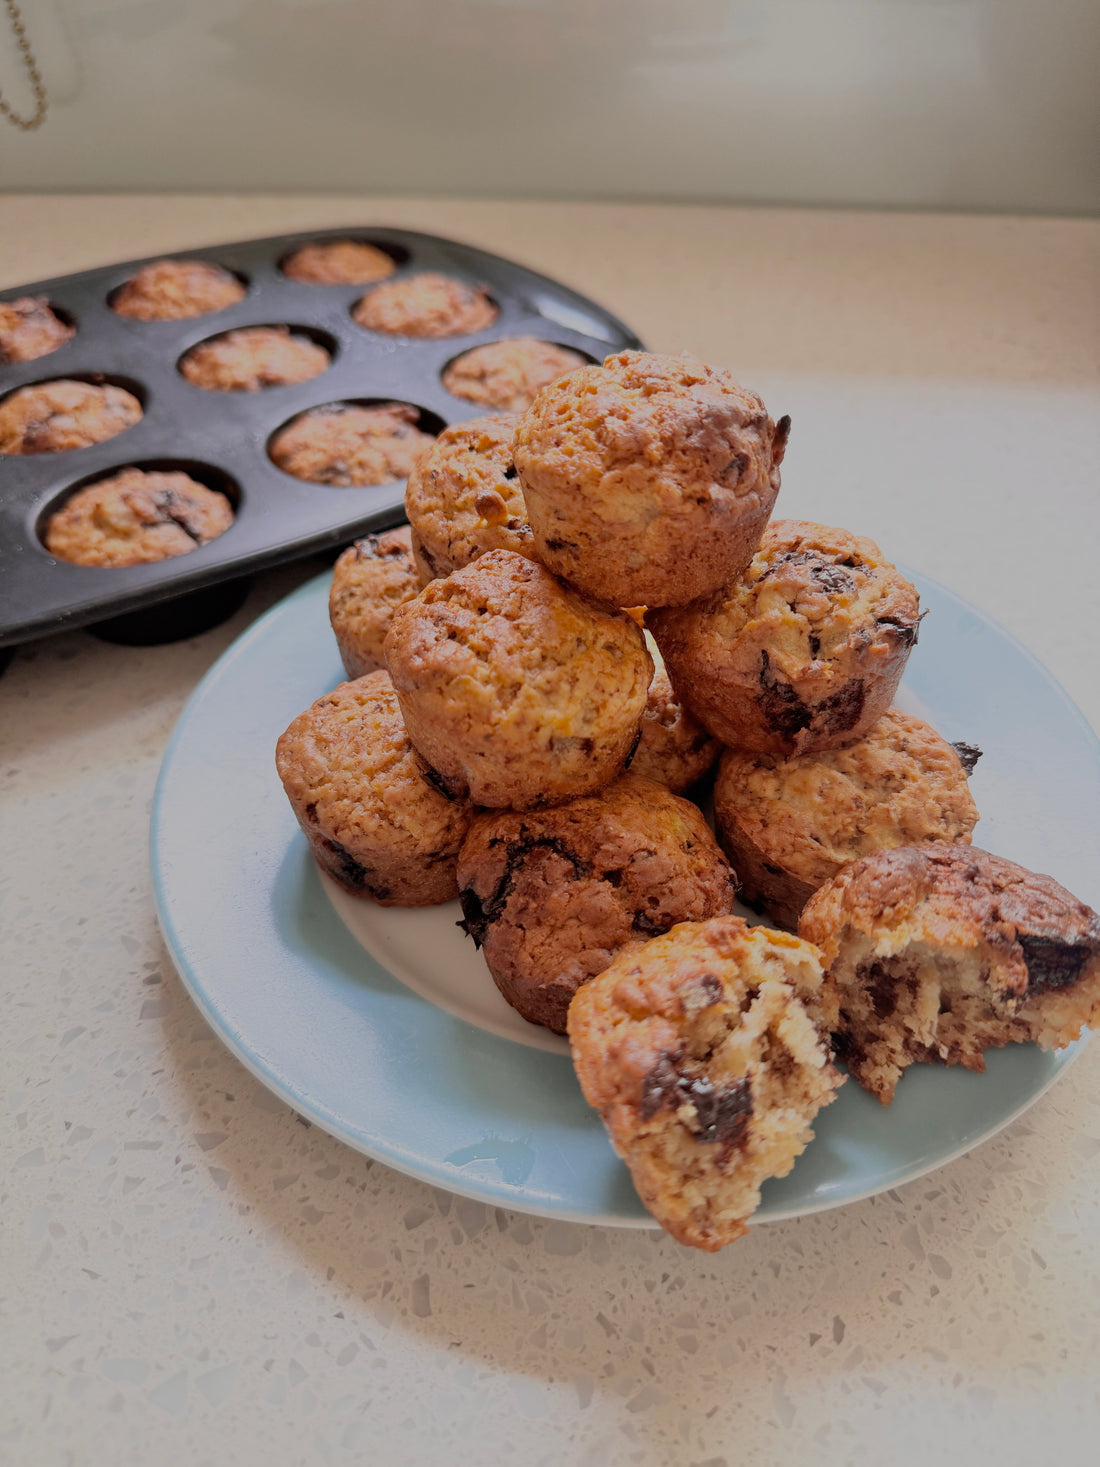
(706, 1053)
(374, 821)
(789, 825)
(253, 358)
(674, 749)
(941, 952)
(54, 417)
(551, 896)
(137, 517)
(372, 578)
(29, 330)
(804, 652)
(649, 479)
(463, 497)
(517, 690)
(508, 374)
(428, 305)
(175, 290)
(338, 262)
(348, 444)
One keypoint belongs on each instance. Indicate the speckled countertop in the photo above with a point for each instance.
(192, 1275)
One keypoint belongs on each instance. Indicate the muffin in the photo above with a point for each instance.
(426, 305)
(338, 262)
(350, 444)
(674, 749)
(53, 417)
(174, 290)
(371, 579)
(29, 330)
(648, 480)
(551, 896)
(508, 374)
(374, 821)
(789, 825)
(252, 358)
(941, 952)
(804, 652)
(517, 691)
(463, 497)
(706, 1053)
(137, 517)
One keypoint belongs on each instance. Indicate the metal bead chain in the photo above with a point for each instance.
(41, 102)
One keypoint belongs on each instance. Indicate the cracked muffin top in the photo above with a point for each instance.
(338, 262)
(253, 358)
(175, 290)
(426, 305)
(54, 417)
(136, 517)
(29, 330)
(516, 687)
(508, 374)
(463, 497)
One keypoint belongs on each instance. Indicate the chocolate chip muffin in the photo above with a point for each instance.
(54, 417)
(351, 444)
(674, 749)
(551, 896)
(789, 825)
(174, 290)
(29, 330)
(508, 374)
(252, 358)
(941, 952)
(804, 652)
(374, 821)
(371, 580)
(706, 1053)
(338, 262)
(137, 517)
(426, 305)
(463, 497)
(648, 480)
(518, 691)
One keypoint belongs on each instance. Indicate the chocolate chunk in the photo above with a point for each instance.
(478, 913)
(1052, 962)
(351, 872)
(969, 754)
(722, 1112)
(510, 471)
(906, 631)
(435, 779)
(779, 439)
(782, 709)
(735, 468)
(844, 709)
(366, 548)
(650, 926)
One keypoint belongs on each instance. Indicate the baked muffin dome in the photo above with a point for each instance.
(175, 290)
(29, 329)
(789, 825)
(136, 517)
(428, 305)
(706, 1053)
(674, 749)
(508, 374)
(373, 819)
(252, 358)
(551, 896)
(347, 444)
(55, 417)
(517, 690)
(371, 579)
(941, 952)
(649, 479)
(463, 497)
(804, 652)
(338, 262)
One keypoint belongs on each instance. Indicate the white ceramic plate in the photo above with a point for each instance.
(434, 1074)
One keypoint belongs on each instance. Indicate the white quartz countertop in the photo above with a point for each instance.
(194, 1276)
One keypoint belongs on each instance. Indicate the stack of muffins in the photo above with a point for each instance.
(589, 608)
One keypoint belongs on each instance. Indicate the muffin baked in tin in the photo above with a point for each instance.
(58, 416)
(30, 329)
(175, 290)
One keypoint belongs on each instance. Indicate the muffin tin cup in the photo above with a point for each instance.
(223, 437)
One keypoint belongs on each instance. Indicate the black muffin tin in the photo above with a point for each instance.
(221, 438)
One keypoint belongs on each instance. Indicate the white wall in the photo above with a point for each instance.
(941, 103)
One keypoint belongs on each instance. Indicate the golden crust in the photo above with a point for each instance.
(346, 444)
(551, 896)
(338, 262)
(371, 579)
(789, 825)
(508, 374)
(137, 517)
(29, 329)
(175, 290)
(649, 479)
(804, 652)
(427, 305)
(514, 687)
(463, 497)
(705, 1053)
(55, 417)
(253, 358)
(941, 952)
(374, 821)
